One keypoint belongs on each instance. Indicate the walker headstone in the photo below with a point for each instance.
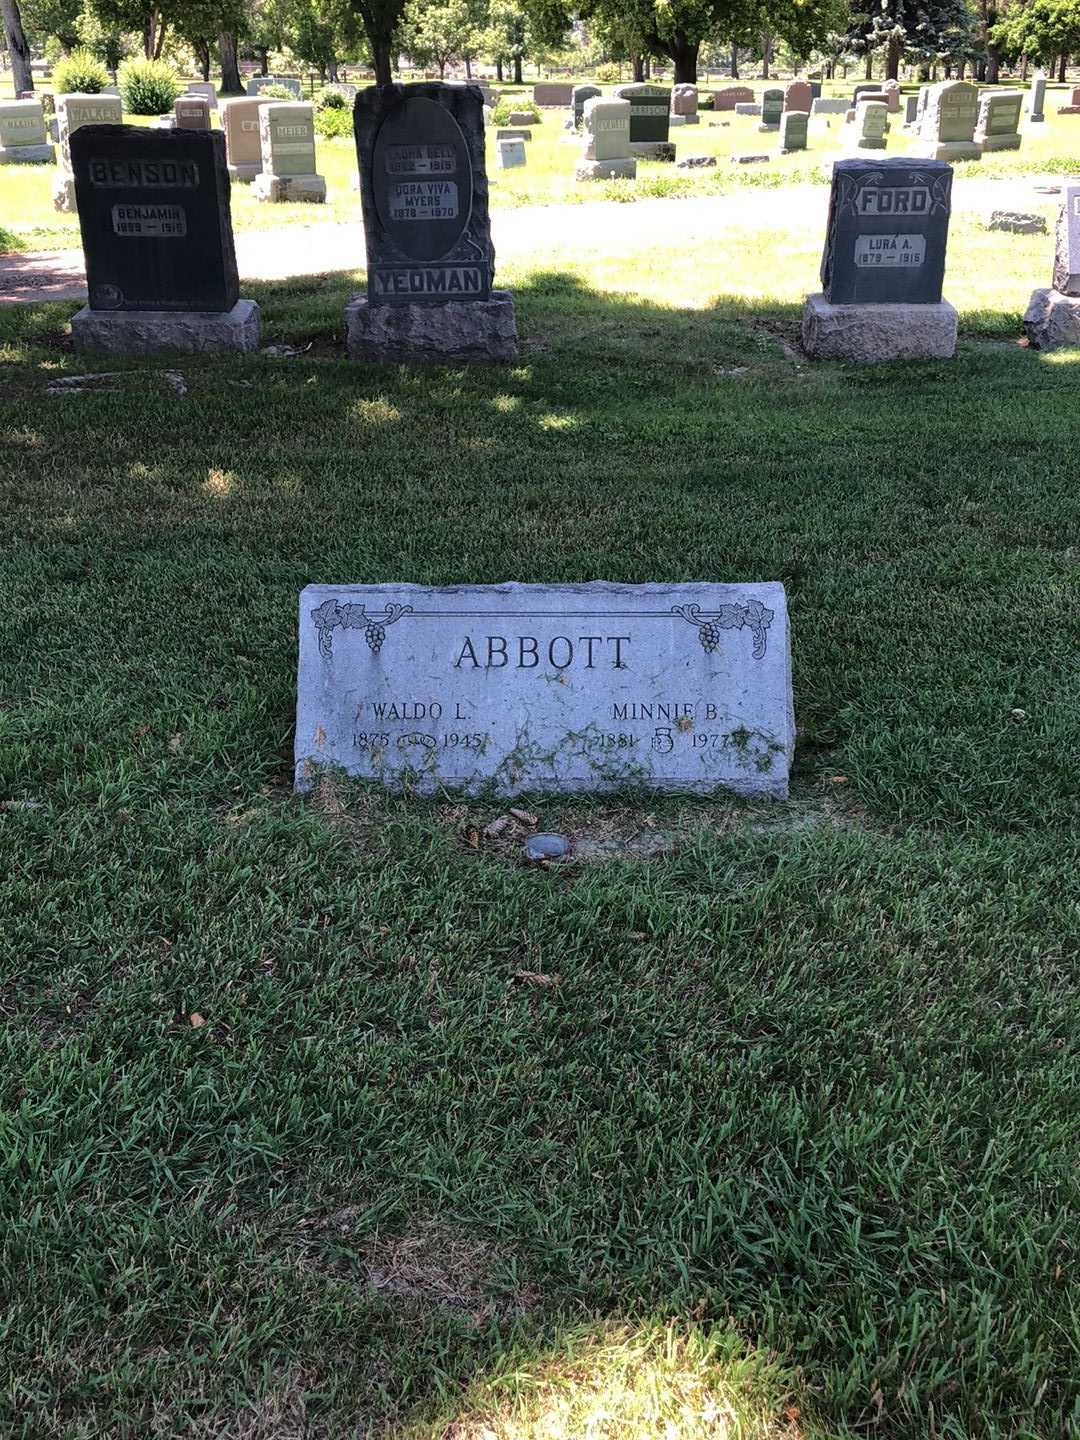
(73, 111)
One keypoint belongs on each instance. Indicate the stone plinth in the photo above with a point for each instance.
(27, 154)
(869, 333)
(663, 150)
(479, 330)
(167, 332)
(620, 169)
(1052, 320)
(277, 189)
(948, 150)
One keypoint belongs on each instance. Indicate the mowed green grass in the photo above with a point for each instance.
(772, 1133)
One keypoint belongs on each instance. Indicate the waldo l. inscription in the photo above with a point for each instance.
(576, 687)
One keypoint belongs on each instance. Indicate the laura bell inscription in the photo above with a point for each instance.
(551, 688)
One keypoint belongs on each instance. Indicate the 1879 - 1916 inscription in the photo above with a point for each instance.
(547, 687)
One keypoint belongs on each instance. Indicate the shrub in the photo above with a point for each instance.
(333, 123)
(148, 87)
(80, 72)
(608, 73)
(275, 92)
(505, 108)
(331, 100)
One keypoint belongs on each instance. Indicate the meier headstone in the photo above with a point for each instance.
(430, 261)
(23, 139)
(772, 107)
(156, 228)
(72, 111)
(793, 125)
(192, 112)
(606, 154)
(287, 137)
(650, 110)
(883, 264)
(243, 145)
(999, 120)
(947, 127)
(549, 688)
(1052, 318)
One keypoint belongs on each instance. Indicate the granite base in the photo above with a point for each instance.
(869, 333)
(167, 332)
(998, 142)
(244, 174)
(606, 169)
(948, 150)
(1052, 320)
(277, 189)
(475, 331)
(27, 155)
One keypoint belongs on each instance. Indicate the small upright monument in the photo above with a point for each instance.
(191, 112)
(650, 118)
(243, 147)
(1036, 113)
(870, 124)
(883, 265)
(772, 107)
(287, 140)
(684, 105)
(430, 260)
(793, 127)
(1052, 319)
(22, 133)
(948, 122)
(157, 234)
(72, 111)
(606, 155)
(999, 120)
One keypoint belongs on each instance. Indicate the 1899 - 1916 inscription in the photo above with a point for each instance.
(547, 687)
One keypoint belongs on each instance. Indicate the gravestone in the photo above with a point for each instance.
(871, 87)
(157, 235)
(815, 90)
(1052, 318)
(520, 133)
(798, 96)
(650, 110)
(911, 111)
(923, 99)
(772, 107)
(731, 96)
(606, 154)
(684, 105)
(871, 119)
(554, 688)
(883, 264)
(999, 120)
(347, 92)
(581, 94)
(510, 154)
(287, 137)
(243, 145)
(948, 121)
(551, 96)
(22, 133)
(1073, 107)
(258, 83)
(793, 125)
(1036, 114)
(827, 105)
(73, 111)
(523, 117)
(206, 89)
(891, 91)
(191, 112)
(424, 188)
(747, 108)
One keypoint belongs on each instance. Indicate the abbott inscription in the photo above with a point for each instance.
(520, 687)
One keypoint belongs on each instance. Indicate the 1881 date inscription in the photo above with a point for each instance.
(523, 687)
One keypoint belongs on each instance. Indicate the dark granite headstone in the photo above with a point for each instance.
(425, 193)
(155, 218)
(650, 112)
(887, 231)
(815, 90)
(772, 107)
(581, 94)
(1067, 253)
(912, 109)
(867, 88)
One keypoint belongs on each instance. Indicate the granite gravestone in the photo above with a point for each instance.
(883, 264)
(798, 96)
(1036, 114)
(871, 120)
(684, 105)
(650, 109)
(793, 125)
(581, 94)
(22, 133)
(510, 154)
(948, 122)
(207, 90)
(243, 145)
(258, 83)
(157, 235)
(552, 688)
(192, 112)
(772, 107)
(552, 96)
(606, 155)
(891, 91)
(870, 88)
(731, 96)
(73, 111)
(999, 120)
(1073, 107)
(911, 110)
(749, 108)
(287, 138)
(1052, 319)
(420, 150)
(826, 105)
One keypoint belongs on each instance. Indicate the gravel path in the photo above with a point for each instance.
(604, 226)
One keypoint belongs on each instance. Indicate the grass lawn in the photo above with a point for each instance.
(754, 1120)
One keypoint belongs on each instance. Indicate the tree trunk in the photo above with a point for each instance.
(892, 59)
(148, 35)
(380, 54)
(517, 70)
(21, 74)
(869, 72)
(231, 83)
(332, 71)
(734, 62)
(639, 69)
(468, 70)
(498, 71)
(202, 55)
(684, 53)
(264, 60)
(160, 41)
(766, 54)
(961, 66)
(1061, 69)
(993, 64)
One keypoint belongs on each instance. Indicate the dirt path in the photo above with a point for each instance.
(606, 226)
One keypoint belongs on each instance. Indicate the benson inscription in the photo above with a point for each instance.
(535, 687)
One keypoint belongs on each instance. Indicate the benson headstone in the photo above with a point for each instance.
(793, 125)
(551, 688)
(1052, 319)
(650, 109)
(883, 264)
(948, 122)
(22, 133)
(243, 146)
(606, 155)
(772, 107)
(999, 120)
(424, 188)
(72, 111)
(157, 236)
(287, 137)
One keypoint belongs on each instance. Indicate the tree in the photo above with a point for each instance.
(19, 50)
(1040, 31)
(507, 38)
(56, 18)
(203, 24)
(919, 30)
(440, 32)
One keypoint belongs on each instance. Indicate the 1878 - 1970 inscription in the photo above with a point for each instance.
(683, 687)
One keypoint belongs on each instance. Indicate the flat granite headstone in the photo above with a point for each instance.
(72, 111)
(243, 143)
(23, 138)
(999, 120)
(192, 112)
(772, 107)
(650, 110)
(545, 687)
(510, 154)
(871, 122)
(732, 95)
(748, 107)
(424, 190)
(1036, 113)
(606, 154)
(287, 139)
(154, 213)
(551, 95)
(578, 99)
(793, 125)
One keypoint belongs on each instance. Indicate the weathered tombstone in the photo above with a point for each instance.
(883, 264)
(547, 687)
(747, 107)
(606, 155)
(1073, 107)
(923, 100)
(815, 90)
(793, 125)
(1036, 114)
(891, 91)
(519, 133)
(510, 154)
(870, 87)
(523, 117)
(157, 235)
(22, 133)
(206, 89)
(948, 122)
(772, 107)
(72, 112)
(287, 137)
(684, 105)
(430, 259)
(798, 95)
(999, 120)
(551, 96)
(829, 105)
(581, 94)
(1052, 318)
(871, 119)
(650, 110)
(911, 110)
(731, 96)
(258, 83)
(243, 146)
(192, 112)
